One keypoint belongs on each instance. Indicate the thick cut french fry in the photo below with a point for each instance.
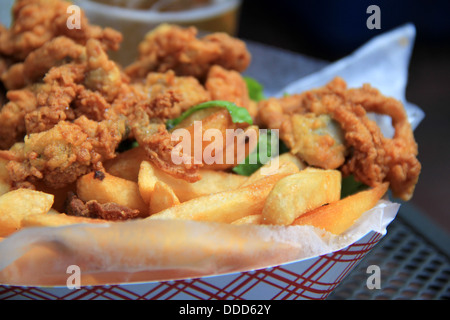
(299, 193)
(252, 219)
(286, 162)
(162, 198)
(212, 181)
(226, 206)
(60, 194)
(105, 188)
(127, 164)
(57, 220)
(147, 180)
(17, 204)
(340, 215)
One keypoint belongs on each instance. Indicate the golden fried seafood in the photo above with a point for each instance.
(372, 157)
(62, 154)
(169, 47)
(36, 22)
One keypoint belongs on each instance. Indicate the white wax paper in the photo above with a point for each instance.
(382, 62)
(153, 250)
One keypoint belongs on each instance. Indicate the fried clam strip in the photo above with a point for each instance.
(188, 90)
(61, 86)
(58, 51)
(12, 114)
(169, 47)
(372, 158)
(82, 87)
(229, 85)
(93, 209)
(41, 105)
(60, 155)
(159, 144)
(39, 38)
(36, 22)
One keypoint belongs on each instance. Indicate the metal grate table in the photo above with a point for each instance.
(414, 264)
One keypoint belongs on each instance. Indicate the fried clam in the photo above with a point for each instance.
(370, 157)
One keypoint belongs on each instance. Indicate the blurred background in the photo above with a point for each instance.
(330, 30)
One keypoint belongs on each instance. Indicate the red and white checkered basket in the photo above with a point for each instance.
(313, 278)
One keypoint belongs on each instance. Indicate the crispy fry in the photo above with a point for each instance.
(17, 204)
(56, 220)
(252, 219)
(212, 181)
(300, 193)
(127, 164)
(286, 162)
(338, 216)
(108, 188)
(60, 194)
(162, 197)
(225, 206)
(147, 180)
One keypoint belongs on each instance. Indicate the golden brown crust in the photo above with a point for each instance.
(373, 158)
(170, 47)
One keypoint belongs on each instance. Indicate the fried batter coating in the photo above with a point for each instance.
(63, 153)
(39, 39)
(93, 209)
(159, 144)
(229, 85)
(318, 140)
(188, 90)
(169, 47)
(58, 51)
(373, 158)
(36, 22)
(12, 115)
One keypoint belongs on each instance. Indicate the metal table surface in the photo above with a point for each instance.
(414, 255)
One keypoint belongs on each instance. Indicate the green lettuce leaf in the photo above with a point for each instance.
(248, 167)
(351, 186)
(238, 114)
(255, 89)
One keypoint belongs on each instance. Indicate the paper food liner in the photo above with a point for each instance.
(157, 250)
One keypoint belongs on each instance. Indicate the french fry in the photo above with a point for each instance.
(17, 204)
(251, 219)
(162, 198)
(147, 180)
(56, 220)
(338, 216)
(212, 181)
(60, 194)
(127, 164)
(109, 188)
(226, 206)
(299, 193)
(289, 157)
(286, 162)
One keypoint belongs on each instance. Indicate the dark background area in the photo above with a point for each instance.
(330, 30)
